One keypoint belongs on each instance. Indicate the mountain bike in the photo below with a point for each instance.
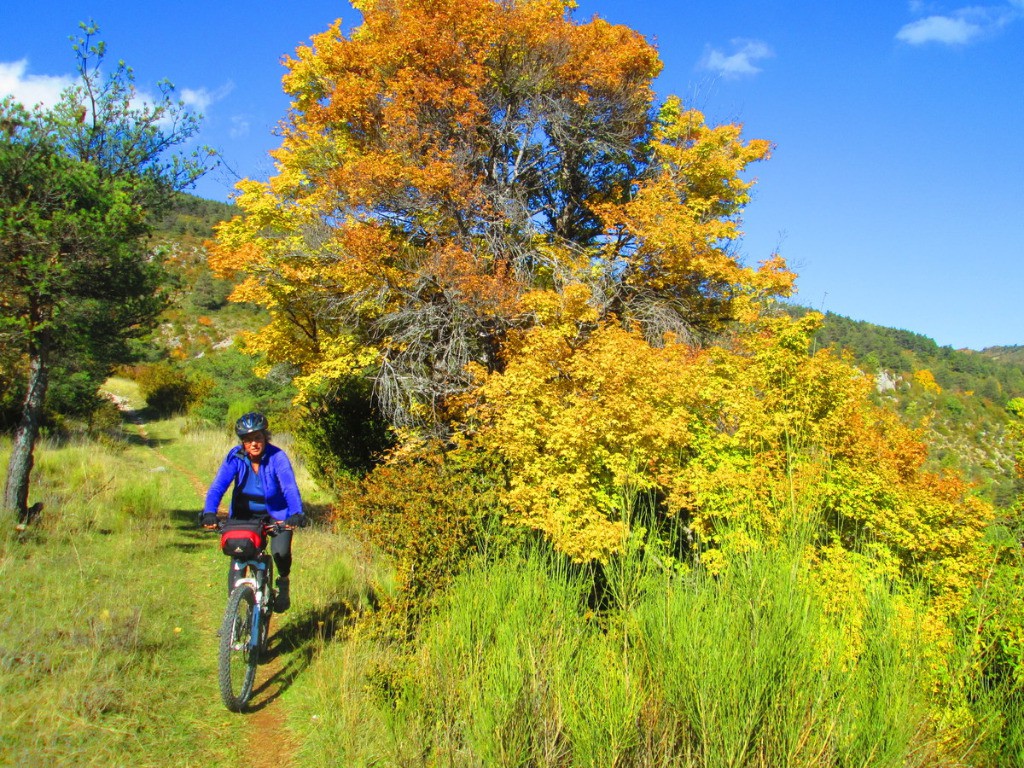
(246, 624)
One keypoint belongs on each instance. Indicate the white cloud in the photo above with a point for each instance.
(200, 99)
(961, 27)
(31, 90)
(239, 127)
(940, 29)
(740, 63)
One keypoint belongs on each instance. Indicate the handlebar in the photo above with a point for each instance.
(271, 529)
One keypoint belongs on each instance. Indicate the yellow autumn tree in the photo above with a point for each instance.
(450, 169)
(926, 380)
(752, 442)
(480, 206)
(740, 441)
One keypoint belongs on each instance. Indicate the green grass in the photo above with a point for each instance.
(112, 599)
(101, 657)
(105, 639)
(125, 390)
(742, 670)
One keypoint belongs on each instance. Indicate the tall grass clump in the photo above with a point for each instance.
(744, 668)
(990, 651)
(736, 657)
(749, 670)
(478, 685)
(506, 642)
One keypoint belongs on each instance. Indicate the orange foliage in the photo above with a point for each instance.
(474, 206)
(448, 162)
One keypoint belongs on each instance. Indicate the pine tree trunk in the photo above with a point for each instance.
(20, 465)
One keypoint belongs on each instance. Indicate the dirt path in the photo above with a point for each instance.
(271, 744)
(140, 427)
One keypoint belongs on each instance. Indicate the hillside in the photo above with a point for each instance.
(1013, 355)
(200, 318)
(957, 397)
(192, 218)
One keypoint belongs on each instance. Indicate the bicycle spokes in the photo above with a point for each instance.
(239, 654)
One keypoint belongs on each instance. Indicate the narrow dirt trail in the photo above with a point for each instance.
(140, 427)
(271, 744)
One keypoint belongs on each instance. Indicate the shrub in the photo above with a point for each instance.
(209, 293)
(238, 408)
(105, 419)
(166, 389)
(343, 435)
(231, 388)
(431, 511)
(74, 393)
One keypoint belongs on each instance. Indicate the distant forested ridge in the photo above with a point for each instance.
(957, 396)
(996, 373)
(1014, 354)
(193, 216)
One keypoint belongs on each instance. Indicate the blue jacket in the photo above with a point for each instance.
(279, 487)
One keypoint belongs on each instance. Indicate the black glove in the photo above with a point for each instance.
(296, 521)
(208, 519)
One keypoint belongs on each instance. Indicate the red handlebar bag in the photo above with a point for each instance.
(242, 539)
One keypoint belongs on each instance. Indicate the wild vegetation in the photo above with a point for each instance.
(598, 495)
(108, 640)
(531, 261)
(107, 648)
(79, 185)
(957, 397)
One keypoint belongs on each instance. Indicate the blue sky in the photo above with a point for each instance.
(896, 188)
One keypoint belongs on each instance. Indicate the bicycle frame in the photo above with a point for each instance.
(258, 585)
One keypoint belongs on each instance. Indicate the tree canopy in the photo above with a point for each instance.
(452, 174)
(481, 207)
(80, 184)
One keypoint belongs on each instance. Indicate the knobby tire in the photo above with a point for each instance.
(237, 658)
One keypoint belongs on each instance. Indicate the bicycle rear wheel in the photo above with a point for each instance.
(238, 657)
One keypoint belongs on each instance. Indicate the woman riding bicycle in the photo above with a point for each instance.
(264, 487)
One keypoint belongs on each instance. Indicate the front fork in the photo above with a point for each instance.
(262, 592)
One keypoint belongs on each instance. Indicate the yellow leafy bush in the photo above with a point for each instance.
(587, 428)
(757, 434)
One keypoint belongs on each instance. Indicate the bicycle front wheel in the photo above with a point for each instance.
(238, 656)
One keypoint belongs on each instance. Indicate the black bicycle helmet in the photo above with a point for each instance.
(251, 422)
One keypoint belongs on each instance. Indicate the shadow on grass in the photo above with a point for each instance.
(191, 546)
(138, 418)
(192, 538)
(296, 642)
(187, 520)
(139, 441)
(291, 649)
